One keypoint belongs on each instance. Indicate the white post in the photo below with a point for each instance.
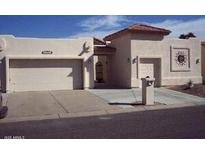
(148, 91)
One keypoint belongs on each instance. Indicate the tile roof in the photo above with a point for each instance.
(98, 41)
(138, 28)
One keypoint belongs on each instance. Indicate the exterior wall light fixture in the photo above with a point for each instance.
(89, 60)
(128, 60)
(134, 60)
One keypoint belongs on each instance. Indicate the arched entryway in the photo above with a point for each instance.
(99, 72)
(102, 63)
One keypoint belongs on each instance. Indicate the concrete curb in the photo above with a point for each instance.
(96, 113)
(82, 114)
(29, 118)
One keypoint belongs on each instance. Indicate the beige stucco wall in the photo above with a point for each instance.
(121, 62)
(154, 46)
(31, 48)
(122, 67)
(146, 36)
(161, 49)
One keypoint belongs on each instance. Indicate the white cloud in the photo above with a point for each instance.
(104, 22)
(100, 26)
(98, 34)
(178, 27)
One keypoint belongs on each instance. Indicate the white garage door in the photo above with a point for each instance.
(34, 75)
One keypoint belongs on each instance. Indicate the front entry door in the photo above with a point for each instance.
(151, 67)
(99, 72)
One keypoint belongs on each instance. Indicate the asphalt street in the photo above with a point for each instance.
(187, 122)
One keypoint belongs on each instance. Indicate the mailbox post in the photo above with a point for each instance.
(148, 91)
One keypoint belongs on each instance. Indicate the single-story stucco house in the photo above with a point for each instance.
(121, 59)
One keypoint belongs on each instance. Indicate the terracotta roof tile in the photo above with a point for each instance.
(98, 41)
(138, 28)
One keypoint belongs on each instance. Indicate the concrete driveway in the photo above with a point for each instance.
(41, 103)
(162, 95)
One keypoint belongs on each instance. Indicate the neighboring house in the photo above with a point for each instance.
(203, 60)
(121, 60)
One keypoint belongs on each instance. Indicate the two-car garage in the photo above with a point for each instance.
(45, 74)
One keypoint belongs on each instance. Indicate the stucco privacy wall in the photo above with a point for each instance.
(31, 48)
(161, 48)
(121, 68)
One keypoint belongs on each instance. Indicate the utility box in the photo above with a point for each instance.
(148, 91)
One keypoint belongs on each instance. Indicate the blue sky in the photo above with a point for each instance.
(98, 26)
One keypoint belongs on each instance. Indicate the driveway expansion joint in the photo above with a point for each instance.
(57, 101)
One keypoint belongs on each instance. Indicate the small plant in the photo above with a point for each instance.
(190, 84)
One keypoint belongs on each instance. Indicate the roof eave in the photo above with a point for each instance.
(165, 32)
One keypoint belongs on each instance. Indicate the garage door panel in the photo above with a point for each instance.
(32, 75)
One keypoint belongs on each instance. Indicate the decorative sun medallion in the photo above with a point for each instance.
(181, 58)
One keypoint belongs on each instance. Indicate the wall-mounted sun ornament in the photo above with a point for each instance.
(181, 58)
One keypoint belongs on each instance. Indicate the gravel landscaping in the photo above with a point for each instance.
(197, 89)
